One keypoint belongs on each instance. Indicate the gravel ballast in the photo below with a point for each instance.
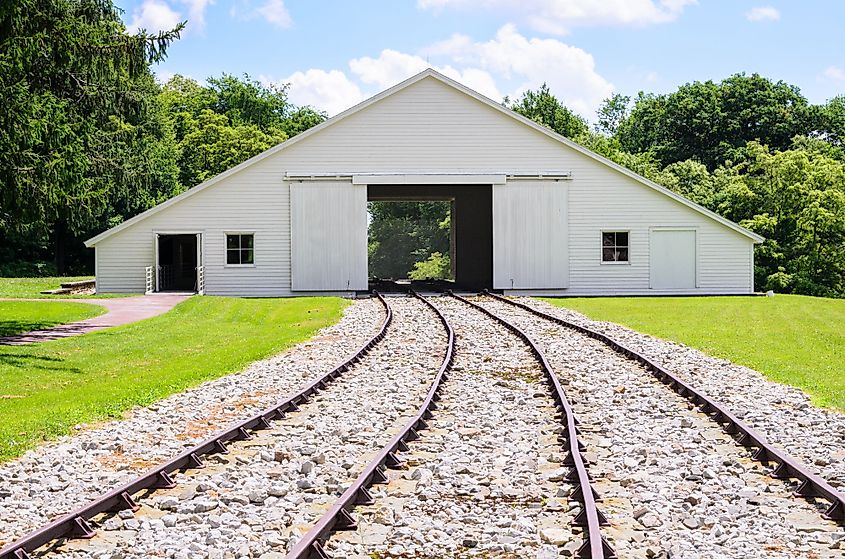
(673, 483)
(59, 476)
(263, 495)
(783, 413)
(485, 479)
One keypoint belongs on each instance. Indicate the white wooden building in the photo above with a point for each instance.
(535, 212)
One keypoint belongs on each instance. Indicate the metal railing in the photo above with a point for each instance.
(148, 283)
(200, 280)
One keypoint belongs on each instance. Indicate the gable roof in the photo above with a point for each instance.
(432, 74)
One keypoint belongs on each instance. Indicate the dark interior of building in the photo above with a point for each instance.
(177, 261)
(472, 225)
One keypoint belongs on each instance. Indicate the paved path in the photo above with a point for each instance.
(120, 310)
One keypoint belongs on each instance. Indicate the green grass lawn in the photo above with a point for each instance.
(47, 388)
(791, 339)
(32, 288)
(23, 316)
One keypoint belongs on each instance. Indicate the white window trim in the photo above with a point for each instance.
(225, 249)
(604, 262)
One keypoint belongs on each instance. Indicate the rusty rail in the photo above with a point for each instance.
(590, 517)
(785, 466)
(76, 524)
(339, 517)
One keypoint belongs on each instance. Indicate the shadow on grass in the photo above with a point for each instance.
(12, 327)
(31, 361)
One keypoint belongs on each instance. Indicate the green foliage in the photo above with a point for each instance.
(405, 233)
(436, 266)
(612, 113)
(211, 145)
(544, 108)
(690, 179)
(707, 121)
(831, 121)
(791, 339)
(80, 135)
(796, 198)
(88, 139)
(227, 121)
(50, 387)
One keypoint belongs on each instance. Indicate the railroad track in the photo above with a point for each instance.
(590, 518)
(339, 517)
(78, 523)
(782, 466)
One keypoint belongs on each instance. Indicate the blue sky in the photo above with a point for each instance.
(336, 53)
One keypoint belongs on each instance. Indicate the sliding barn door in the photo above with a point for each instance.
(328, 236)
(530, 235)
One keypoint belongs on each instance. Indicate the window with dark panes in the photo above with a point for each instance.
(240, 248)
(614, 246)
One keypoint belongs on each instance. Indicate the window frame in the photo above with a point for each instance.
(604, 262)
(226, 249)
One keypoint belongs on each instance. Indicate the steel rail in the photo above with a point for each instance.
(785, 466)
(590, 517)
(339, 517)
(76, 524)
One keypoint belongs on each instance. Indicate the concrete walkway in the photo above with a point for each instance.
(120, 310)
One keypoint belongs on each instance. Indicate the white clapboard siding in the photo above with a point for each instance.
(254, 201)
(427, 127)
(618, 203)
(530, 235)
(328, 236)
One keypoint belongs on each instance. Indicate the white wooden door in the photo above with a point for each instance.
(328, 236)
(530, 235)
(673, 259)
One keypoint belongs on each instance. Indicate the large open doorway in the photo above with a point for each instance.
(463, 246)
(177, 262)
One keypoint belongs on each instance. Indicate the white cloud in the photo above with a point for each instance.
(510, 62)
(196, 12)
(391, 67)
(835, 73)
(275, 12)
(569, 71)
(559, 16)
(330, 91)
(762, 13)
(153, 16)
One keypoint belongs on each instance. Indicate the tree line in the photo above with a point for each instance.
(88, 139)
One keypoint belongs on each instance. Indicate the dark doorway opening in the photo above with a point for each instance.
(471, 226)
(177, 263)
